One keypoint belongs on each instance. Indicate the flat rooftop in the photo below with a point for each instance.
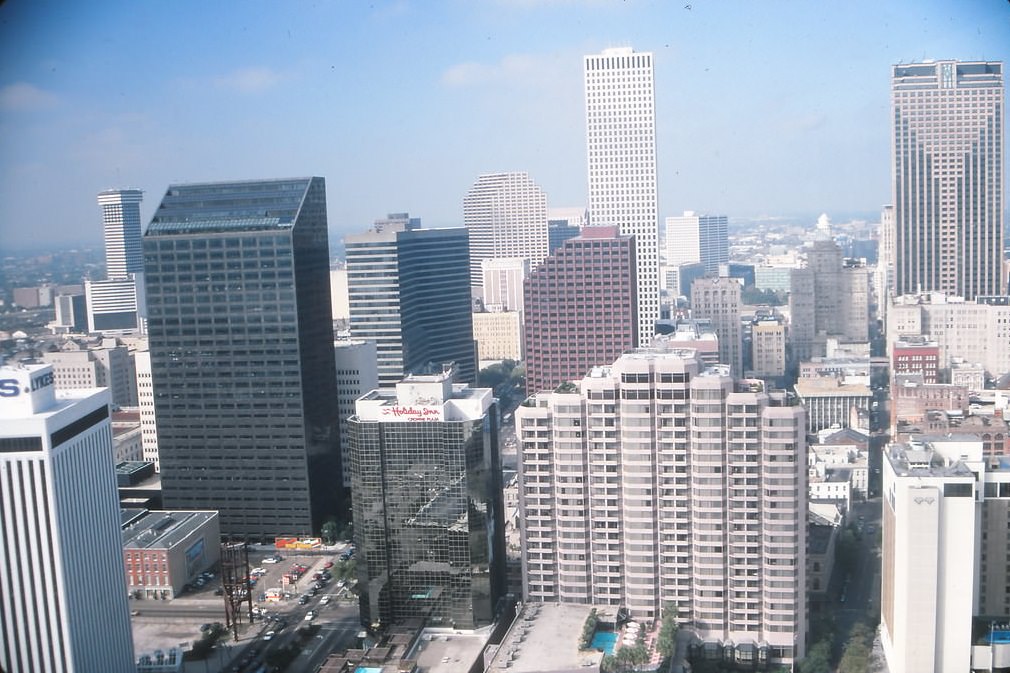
(162, 529)
(545, 639)
(440, 651)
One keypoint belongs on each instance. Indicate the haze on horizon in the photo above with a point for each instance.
(763, 109)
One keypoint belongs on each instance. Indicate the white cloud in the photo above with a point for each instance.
(24, 96)
(511, 68)
(249, 80)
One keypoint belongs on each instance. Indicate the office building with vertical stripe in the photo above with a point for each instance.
(63, 605)
(621, 148)
(241, 349)
(409, 292)
(948, 177)
(121, 219)
(580, 308)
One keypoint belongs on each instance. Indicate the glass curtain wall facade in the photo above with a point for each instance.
(242, 354)
(428, 520)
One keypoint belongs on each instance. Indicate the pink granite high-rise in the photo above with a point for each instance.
(581, 308)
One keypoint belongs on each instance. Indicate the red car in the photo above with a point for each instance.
(328, 564)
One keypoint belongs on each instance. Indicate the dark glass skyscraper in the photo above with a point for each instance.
(428, 514)
(242, 353)
(409, 291)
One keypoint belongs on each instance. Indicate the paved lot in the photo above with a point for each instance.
(161, 625)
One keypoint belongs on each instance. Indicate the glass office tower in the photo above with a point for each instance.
(242, 353)
(429, 520)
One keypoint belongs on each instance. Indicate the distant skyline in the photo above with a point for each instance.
(762, 109)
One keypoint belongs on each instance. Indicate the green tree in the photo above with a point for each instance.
(329, 531)
(856, 655)
(666, 641)
(818, 659)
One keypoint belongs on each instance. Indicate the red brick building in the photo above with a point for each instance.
(916, 356)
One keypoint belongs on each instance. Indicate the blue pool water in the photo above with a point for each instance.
(999, 637)
(604, 640)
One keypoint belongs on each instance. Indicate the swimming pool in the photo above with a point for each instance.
(604, 640)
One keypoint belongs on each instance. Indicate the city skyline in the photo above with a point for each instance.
(314, 82)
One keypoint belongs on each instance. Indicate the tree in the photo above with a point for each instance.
(329, 531)
(666, 641)
(818, 659)
(856, 655)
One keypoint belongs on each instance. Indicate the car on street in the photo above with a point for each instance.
(324, 600)
(302, 600)
(310, 615)
(272, 559)
(328, 564)
(269, 635)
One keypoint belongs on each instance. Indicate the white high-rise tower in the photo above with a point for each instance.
(621, 146)
(506, 215)
(63, 605)
(121, 218)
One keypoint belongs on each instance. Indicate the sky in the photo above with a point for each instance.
(763, 109)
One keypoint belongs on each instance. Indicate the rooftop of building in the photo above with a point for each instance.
(253, 205)
(845, 436)
(545, 639)
(162, 529)
(913, 341)
(826, 386)
(446, 651)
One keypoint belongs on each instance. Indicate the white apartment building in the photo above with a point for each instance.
(502, 283)
(657, 480)
(944, 555)
(357, 374)
(506, 215)
(976, 331)
(621, 151)
(63, 605)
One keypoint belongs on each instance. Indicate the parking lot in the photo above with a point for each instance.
(276, 594)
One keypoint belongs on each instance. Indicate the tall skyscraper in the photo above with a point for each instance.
(428, 517)
(580, 308)
(697, 238)
(63, 604)
(506, 215)
(409, 292)
(947, 172)
(659, 480)
(114, 304)
(121, 218)
(241, 348)
(621, 147)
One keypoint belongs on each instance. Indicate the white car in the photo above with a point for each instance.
(271, 559)
(269, 635)
(310, 615)
(258, 571)
(324, 600)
